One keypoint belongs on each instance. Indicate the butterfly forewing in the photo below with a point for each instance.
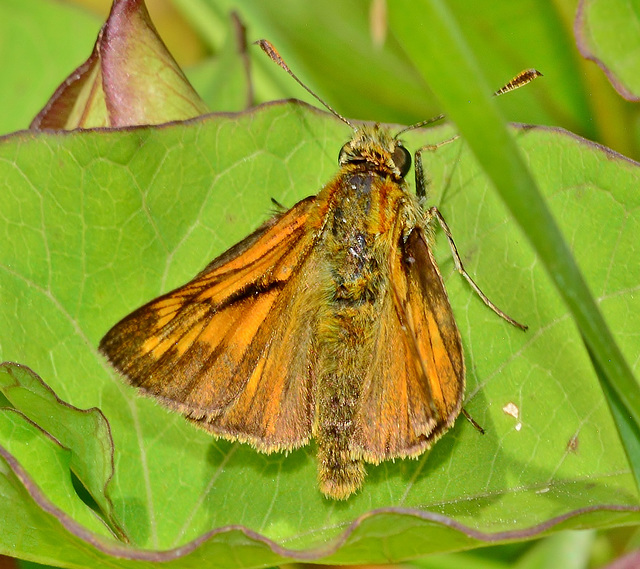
(230, 348)
(275, 407)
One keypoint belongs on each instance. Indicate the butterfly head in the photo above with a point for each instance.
(373, 148)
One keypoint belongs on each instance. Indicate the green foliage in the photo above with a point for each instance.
(120, 217)
(607, 34)
(93, 224)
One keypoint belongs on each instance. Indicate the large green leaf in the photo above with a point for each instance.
(96, 223)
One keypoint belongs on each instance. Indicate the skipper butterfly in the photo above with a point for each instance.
(331, 321)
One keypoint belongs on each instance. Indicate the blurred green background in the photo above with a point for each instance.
(348, 53)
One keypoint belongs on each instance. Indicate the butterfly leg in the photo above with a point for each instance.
(421, 184)
(471, 420)
(433, 212)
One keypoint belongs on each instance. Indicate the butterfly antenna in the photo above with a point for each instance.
(273, 54)
(520, 80)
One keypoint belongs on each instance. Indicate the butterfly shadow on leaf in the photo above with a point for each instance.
(237, 461)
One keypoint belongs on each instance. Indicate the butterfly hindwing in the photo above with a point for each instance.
(413, 389)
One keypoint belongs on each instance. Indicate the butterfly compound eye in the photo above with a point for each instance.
(342, 156)
(402, 159)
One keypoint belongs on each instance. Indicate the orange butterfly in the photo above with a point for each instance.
(331, 321)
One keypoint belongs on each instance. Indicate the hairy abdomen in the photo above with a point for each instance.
(355, 289)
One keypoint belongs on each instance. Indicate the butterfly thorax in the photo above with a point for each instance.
(365, 210)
